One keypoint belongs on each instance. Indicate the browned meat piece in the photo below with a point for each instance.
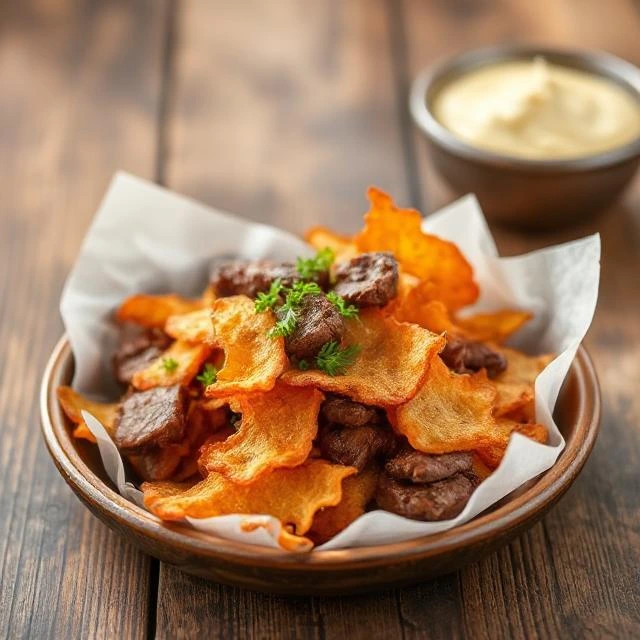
(441, 500)
(356, 446)
(368, 280)
(250, 278)
(347, 412)
(153, 418)
(416, 466)
(464, 356)
(318, 322)
(137, 349)
(156, 464)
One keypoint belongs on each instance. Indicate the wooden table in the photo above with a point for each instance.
(284, 112)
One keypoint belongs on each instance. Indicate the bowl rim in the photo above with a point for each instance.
(548, 488)
(600, 63)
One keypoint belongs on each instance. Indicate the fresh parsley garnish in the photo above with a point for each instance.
(303, 365)
(269, 299)
(288, 312)
(311, 268)
(208, 375)
(334, 360)
(169, 364)
(346, 310)
(287, 319)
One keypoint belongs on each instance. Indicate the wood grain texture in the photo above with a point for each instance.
(81, 85)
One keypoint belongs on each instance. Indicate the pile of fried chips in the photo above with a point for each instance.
(248, 446)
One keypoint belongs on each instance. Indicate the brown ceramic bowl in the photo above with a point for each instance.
(321, 572)
(532, 194)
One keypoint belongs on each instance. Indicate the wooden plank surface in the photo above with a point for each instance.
(81, 87)
(283, 112)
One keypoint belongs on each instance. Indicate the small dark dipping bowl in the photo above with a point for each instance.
(530, 194)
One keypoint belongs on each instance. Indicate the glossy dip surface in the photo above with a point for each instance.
(536, 110)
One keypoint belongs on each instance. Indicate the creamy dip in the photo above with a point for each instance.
(536, 110)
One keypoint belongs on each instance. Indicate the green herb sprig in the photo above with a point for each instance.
(270, 299)
(346, 310)
(169, 364)
(311, 268)
(288, 312)
(334, 360)
(208, 375)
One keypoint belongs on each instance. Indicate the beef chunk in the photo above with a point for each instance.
(153, 418)
(464, 356)
(440, 500)
(318, 322)
(416, 466)
(250, 278)
(155, 464)
(347, 412)
(356, 446)
(137, 349)
(368, 280)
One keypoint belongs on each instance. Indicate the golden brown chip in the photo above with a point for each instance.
(253, 359)
(195, 326)
(492, 454)
(179, 364)
(433, 260)
(390, 366)
(357, 492)
(291, 495)
(320, 238)
(277, 430)
(73, 404)
(493, 327)
(430, 314)
(450, 412)
(516, 384)
(286, 539)
(153, 311)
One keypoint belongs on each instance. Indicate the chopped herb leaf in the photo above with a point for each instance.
(169, 364)
(208, 375)
(346, 310)
(269, 299)
(299, 291)
(303, 365)
(311, 268)
(334, 360)
(286, 323)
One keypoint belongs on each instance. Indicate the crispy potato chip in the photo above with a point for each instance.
(286, 539)
(291, 495)
(153, 311)
(277, 430)
(208, 296)
(73, 404)
(195, 326)
(430, 314)
(357, 492)
(321, 237)
(450, 412)
(179, 364)
(433, 260)
(253, 360)
(492, 454)
(390, 366)
(516, 385)
(493, 327)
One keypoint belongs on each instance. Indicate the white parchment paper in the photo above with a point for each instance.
(146, 239)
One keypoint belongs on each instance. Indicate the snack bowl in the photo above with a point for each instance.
(530, 194)
(321, 572)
